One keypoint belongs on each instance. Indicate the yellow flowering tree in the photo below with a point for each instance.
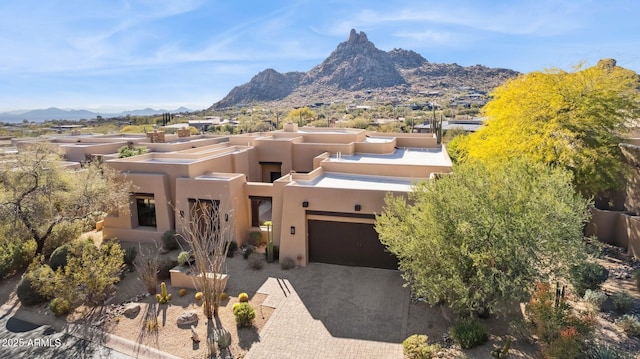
(570, 119)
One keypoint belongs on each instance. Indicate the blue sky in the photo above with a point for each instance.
(125, 54)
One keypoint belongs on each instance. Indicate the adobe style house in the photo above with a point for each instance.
(320, 187)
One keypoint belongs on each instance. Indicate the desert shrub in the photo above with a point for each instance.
(199, 296)
(287, 263)
(233, 247)
(60, 306)
(224, 296)
(244, 314)
(15, 253)
(58, 258)
(603, 351)
(276, 252)
(183, 258)
(256, 261)
(468, 333)
(128, 151)
(587, 275)
(151, 324)
(246, 252)
(148, 266)
(520, 329)
(27, 292)
(417, 347)
(255, 237)
(89, 275)
(622, 302)
(595, 297)
(62, 234)
(547, 317)
(630, 324)
(164, 268)
(130, 254)
(243, 297)
(636, 277)
(182, 292)
(567, 345)
(555, 324)
(169, 240)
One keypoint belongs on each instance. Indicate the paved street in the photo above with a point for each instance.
(22, 339)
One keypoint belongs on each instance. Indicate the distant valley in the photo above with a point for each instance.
(54, 113)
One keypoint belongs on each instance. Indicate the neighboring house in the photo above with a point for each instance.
(618, 221)
(320, 187)
(468, 125)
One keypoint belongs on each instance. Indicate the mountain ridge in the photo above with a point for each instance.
(54, 113)
(357, 68)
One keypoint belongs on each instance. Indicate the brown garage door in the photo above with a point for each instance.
(352, 244)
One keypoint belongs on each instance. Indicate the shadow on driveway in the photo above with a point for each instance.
(351, 302)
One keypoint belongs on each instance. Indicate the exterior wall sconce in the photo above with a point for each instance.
(293, 230)
(181, 214)
(226, 217)
(358, 207)
(305, 204)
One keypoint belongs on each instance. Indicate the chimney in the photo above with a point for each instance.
(291, 127)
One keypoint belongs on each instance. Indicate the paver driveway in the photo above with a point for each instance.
(327, 311)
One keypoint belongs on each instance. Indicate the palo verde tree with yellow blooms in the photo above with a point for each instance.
(570, 119)
(301, 115)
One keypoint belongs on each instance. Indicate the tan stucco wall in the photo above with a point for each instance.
(78, 152)
(320, 199)
(617, 228)
(410, 139)
(394, 170)
(376, 148)
(228, 189)
(304, 153)
(125, 225)
(173, 144)
(270, 150)
(231, 172)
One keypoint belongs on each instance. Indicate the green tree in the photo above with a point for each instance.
(38, 196)
(301, 115)
(571, 119)
(478, 239)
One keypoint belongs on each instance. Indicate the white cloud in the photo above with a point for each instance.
(540, 18)
(427, 35)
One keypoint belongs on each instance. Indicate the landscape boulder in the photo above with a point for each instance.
(186, 319)
(131, 310)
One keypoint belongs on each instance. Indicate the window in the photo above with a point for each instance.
(260, 210)
(205, 213)
(146, 208)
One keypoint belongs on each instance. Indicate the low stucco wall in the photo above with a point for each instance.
(617, 228)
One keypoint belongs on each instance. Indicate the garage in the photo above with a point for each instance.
(347, 243)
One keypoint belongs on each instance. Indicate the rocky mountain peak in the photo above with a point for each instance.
(357, 38)
(356, 65)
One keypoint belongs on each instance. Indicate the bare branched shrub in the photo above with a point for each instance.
(207, 229)
(147, 265)
(256, 261)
